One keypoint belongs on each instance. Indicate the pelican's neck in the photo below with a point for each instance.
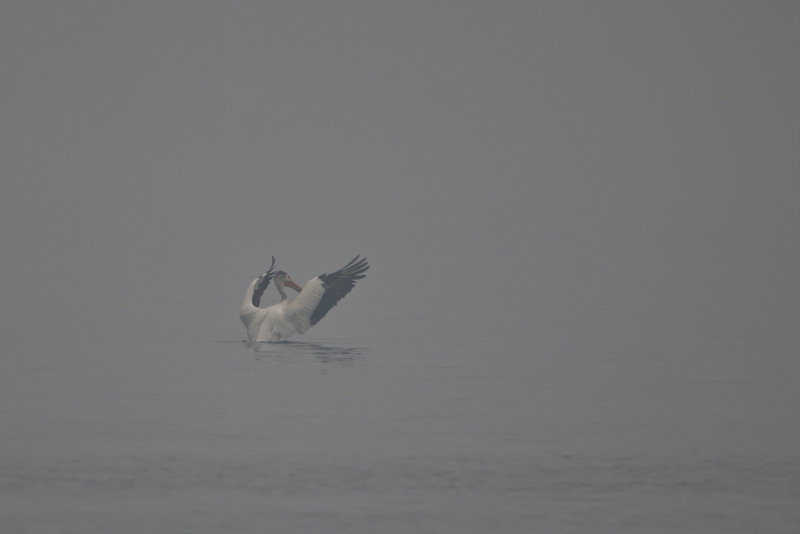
(282, 291)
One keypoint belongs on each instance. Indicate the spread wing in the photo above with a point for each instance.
(262, 284)
(322, 293)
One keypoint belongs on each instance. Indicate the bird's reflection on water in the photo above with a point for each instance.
(327, 352)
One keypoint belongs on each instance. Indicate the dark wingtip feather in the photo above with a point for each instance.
(338, 284)
(262, 284)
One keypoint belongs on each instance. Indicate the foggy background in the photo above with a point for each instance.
(155, 155)
(589, 206)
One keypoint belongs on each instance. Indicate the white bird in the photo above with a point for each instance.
(315, 299)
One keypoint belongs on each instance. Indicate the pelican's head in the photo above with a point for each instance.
(282, 278)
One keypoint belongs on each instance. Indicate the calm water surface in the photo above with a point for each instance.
(586, 420)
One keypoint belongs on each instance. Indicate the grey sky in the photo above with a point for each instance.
(155, 154)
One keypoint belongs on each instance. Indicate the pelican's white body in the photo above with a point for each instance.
(282, 320)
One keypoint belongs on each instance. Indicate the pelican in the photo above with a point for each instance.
(280, 321)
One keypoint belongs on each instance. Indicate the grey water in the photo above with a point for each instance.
(503, 418)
